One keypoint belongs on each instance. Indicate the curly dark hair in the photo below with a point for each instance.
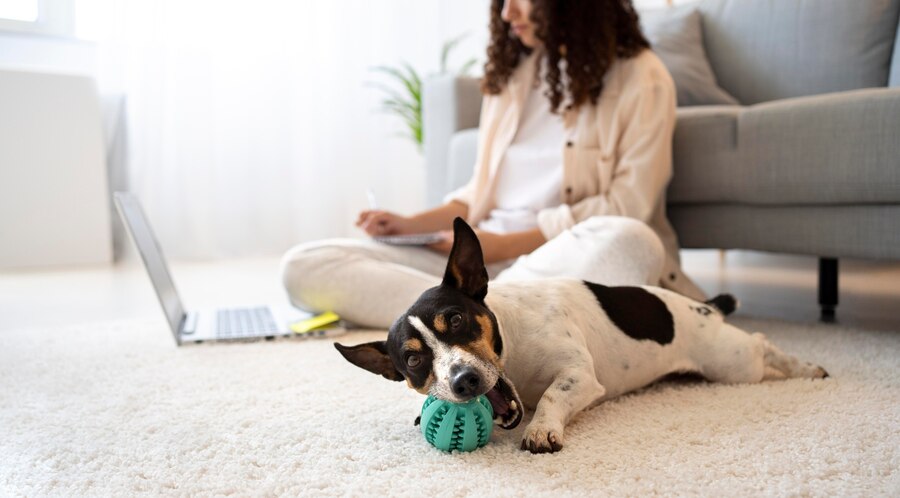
(587, 34)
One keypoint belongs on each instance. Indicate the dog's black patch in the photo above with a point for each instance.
(446, 301)
(371, 356)
(465, 266)
(638, 313)
(497, 340)
(683, 377)
(726, 303)
(401, 332)
(702, 310)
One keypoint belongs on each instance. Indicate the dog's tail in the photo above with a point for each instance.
(726, 303)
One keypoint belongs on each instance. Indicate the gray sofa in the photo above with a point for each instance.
(808, 163)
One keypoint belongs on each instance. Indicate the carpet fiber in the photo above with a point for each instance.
(116, 409)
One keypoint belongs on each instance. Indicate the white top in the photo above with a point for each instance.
(530, 173)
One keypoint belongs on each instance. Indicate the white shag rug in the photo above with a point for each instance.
(115, 409)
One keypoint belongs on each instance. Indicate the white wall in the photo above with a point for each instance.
(251, 126)
(46, 53)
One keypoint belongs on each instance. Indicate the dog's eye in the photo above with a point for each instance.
(413, 360)
(455, 320)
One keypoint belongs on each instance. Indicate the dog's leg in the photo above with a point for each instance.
(787, 364)
(729, 355)
(571, 391)
(733, 356)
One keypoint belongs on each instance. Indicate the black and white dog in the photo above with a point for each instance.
(559, 346)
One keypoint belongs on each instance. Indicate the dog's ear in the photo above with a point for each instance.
(465, 268)
(371, 356)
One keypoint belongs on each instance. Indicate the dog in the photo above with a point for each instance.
(559, 346)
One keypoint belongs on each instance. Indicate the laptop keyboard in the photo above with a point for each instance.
(244, 322)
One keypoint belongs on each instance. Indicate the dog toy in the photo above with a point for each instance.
(457, 426)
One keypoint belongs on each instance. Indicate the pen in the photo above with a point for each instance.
(372, 204)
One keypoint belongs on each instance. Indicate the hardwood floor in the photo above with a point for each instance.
(783, 286)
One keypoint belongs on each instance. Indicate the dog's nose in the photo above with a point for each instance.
(465, 383)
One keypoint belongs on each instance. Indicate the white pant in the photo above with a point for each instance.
(372, 284)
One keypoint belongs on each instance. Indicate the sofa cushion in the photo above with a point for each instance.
(828, 149)
(762, 50)
(677, 39)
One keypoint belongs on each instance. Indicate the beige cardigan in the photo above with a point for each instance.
(617, 159)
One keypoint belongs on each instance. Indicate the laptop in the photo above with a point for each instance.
(225, 324)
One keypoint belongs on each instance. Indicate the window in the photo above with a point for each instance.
(19, 10)
(46, 17)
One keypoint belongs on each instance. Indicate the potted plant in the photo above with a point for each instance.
(404, 98)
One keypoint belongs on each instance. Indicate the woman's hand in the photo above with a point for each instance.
(497, 247)
(445, 245)
(377, 223)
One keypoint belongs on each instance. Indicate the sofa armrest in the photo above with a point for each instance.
(461, 158)
(824, 149)
(450, 103)
(844, 144)
(705, 139)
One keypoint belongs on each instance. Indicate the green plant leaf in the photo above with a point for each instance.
(411, 82)
(402, 112)
(402, 105)
(464, 70)
(415, 87)
(391, 92)
(397, 96)
(448, 46)
(390, 71)
(405, 103)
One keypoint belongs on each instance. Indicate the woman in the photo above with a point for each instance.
(574, 155)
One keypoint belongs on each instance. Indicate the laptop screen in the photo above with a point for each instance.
(142, 234)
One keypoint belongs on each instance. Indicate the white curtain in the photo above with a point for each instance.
(250, 125)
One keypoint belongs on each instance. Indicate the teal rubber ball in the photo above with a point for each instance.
(457, 426)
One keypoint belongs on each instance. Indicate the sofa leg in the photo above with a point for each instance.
(828, 288)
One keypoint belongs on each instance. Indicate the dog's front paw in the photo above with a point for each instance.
(542, 440)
